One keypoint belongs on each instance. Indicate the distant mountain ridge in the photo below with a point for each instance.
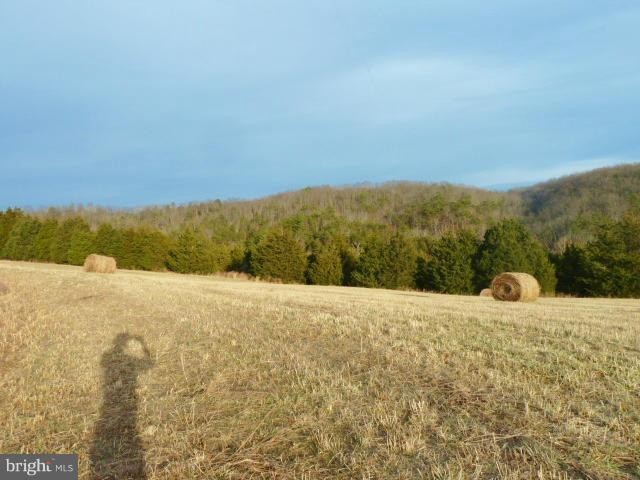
(557, 211)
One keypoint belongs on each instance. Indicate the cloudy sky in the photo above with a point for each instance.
(134, 102)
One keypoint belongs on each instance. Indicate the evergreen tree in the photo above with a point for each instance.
(401, 262)
(450, 267)
(387, 261)
(613, 259)
(370, 263)
(237, 259)
(509, 247)
(279, 256)
(149, 249)
(192, 253)
(325, 265)
(62, 239)
(7, 221)
(349, 258)
(109, 242)
(126, 258)
(20, 244)
(44, 240)
(82, 244)
(572, 270)
(221, 256)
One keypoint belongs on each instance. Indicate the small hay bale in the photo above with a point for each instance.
(515, 287)
(3, 288)
(99, 264)
(486, 292)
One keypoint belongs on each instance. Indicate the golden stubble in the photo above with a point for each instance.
(255, 380)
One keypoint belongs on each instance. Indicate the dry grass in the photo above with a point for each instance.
(230, 379)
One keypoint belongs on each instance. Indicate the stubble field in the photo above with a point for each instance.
(164, 376)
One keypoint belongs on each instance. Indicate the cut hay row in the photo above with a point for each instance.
(3, 289)
(515, 287)
(100, 264)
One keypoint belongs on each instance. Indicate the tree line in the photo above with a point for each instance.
(323, 249)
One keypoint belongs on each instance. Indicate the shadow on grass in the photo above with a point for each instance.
(117, 451)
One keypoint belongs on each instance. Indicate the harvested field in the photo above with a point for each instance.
(207, 377)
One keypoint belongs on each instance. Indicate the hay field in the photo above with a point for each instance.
(252, 380)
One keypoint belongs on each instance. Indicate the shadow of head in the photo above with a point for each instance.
(117, 451)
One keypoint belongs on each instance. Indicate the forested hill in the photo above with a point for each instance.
(558, 211)
(566, 208)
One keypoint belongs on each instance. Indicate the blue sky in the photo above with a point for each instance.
(127, 103)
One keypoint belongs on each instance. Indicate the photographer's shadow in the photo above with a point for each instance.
(117, 451)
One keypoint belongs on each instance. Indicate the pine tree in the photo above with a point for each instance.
(509, 247)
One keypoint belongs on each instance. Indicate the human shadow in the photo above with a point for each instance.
(117, 451)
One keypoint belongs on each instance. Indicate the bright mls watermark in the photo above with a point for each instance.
(44, 466)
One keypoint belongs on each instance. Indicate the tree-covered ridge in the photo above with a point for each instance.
(430, 209)
(327, 250)
(559, 212)
(569, 210)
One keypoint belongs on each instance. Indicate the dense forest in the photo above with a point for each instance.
(579, 235)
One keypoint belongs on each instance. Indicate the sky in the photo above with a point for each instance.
(130, 103)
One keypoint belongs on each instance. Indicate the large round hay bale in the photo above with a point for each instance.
(3, 288)
(99, 264)
(515, 287)
(486, 292)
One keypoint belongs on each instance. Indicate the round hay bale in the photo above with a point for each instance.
(3, 288)
(100, 264)
(486, 292)
(515, 287)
